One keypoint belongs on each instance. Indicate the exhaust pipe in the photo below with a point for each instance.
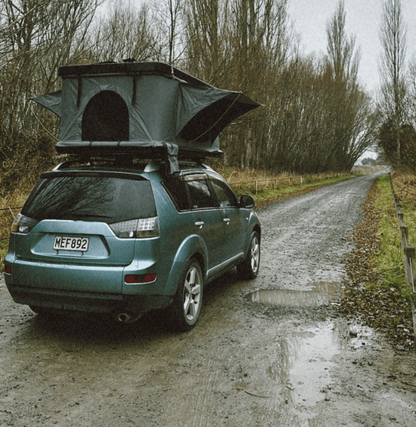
(127, 317)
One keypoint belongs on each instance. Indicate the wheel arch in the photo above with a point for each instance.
(192, 247)
(257, 229)
(197, 256)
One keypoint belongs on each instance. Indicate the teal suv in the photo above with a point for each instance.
(126, 239)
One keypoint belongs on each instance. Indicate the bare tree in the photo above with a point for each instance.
(260, 44)
(206, 30)
(169, 17)
(126, 32)
(341, 56)
(351, 129)
(393, 89)
(35, 37)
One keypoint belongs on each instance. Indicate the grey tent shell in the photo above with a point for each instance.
(129, 106)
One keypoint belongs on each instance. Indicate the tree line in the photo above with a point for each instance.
(396, 103)
(316, 116)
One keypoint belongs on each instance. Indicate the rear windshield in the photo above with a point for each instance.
(91, 198)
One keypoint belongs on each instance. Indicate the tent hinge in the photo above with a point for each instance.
(79, 91)
(133, 98)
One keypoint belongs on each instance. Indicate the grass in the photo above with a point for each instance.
(3, 250)
(389, 261)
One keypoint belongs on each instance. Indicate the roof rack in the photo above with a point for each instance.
(131, 159)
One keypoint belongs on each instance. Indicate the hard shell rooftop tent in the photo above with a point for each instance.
(146, 107)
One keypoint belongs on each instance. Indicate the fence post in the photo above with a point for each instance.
(409, 257)
(257, 187)
(404, 236)
(397, 201)
(413, 301)
(395, 197)
(290, 181)
(400, 217)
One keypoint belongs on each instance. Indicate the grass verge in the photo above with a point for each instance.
(377, 290)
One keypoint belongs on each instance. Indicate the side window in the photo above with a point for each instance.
(201, 196)
(225, 195)
(176, 189)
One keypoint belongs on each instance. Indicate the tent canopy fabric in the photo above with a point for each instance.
(123, 107)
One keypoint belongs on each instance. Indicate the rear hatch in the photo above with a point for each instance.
(80, 221)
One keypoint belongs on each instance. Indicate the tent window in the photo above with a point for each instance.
(106, 118)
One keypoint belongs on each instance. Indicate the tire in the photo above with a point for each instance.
(249, 268)
(186, 306)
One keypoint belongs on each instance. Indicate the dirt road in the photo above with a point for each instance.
(269, 352)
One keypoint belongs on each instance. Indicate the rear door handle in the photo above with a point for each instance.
(200, 224)
(227, 220)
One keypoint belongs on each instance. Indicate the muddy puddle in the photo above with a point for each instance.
(319, 293)
(308, 354)
(311, 355)
(310, 365)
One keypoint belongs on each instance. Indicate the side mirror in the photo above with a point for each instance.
(247, 201)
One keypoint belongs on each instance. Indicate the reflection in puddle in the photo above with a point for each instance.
(305, 356)
(310, 363)
(320, 294)
(304, 365)
(310, 358)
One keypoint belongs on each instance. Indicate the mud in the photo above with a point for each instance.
(269, 352)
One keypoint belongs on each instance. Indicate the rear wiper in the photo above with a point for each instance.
(89, 215)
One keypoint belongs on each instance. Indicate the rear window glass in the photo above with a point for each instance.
(91, 198)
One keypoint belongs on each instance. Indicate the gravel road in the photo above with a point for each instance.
(269, 352)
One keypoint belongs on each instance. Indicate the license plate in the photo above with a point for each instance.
(71, 243)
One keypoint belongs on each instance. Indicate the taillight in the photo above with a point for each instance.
(148, 227)
(8, 269)
(23, 224)
(140, 278)
(137, 228)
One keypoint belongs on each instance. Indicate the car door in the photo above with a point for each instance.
(234, 219)
(208, 218)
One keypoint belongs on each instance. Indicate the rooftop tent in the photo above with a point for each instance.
(131, 106)
(52, 101)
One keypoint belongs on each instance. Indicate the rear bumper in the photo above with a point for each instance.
(93, 302)
(83, 279)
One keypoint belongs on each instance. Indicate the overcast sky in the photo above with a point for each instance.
(363, 19)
